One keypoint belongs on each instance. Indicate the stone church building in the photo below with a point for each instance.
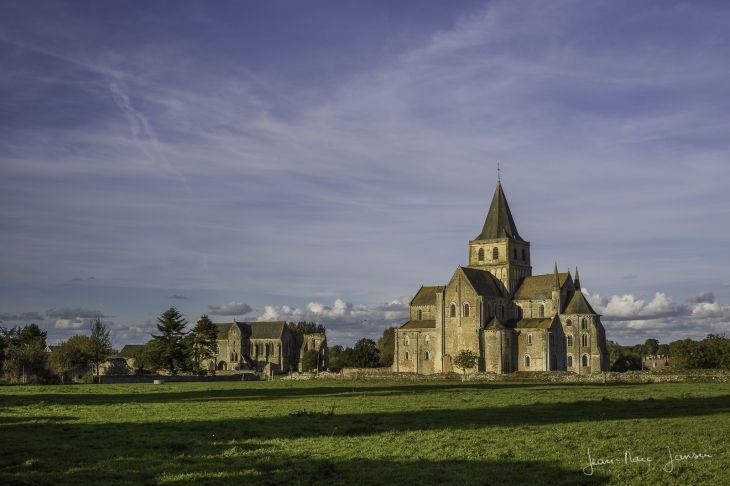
(265, 346)
(495, 307)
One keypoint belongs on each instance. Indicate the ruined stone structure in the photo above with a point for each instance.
(495, 307)
(263, 346)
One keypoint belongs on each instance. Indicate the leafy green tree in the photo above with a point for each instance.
(626, 362)
(689, 355)
(146, 358)
(24, 352)
(99, 346)
(69, 355)
(465, 360)
(335, 354)
(663, 350)
(309, 360)
(386, 347)
(651, 346)
(306, 328)
(169, 345)
(4, 343)
(202, 341)
(365, 354)
(717, 351)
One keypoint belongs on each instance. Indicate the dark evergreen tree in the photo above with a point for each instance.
(202, 341)
(169, 345)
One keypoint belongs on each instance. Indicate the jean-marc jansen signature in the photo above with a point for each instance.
(629, 458)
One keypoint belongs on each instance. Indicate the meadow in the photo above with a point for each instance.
(355, 432)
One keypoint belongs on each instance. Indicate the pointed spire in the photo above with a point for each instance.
(577, 280)
(499, 222)
(556, 278)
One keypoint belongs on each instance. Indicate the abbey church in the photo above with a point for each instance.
(495, 307)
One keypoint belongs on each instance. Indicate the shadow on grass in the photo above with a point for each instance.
(237, 465)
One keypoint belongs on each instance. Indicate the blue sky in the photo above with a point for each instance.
(323, 160)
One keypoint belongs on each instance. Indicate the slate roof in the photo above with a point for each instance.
(426, 295)
(128, 350)
(223, 330)
(419, 325)
(539, 287)
(483, 282)
(499, 222)
(577, 304)
(539, 323)
(266, 330)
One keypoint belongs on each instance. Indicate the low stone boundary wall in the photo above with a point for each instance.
(376, 374)
(219, 376)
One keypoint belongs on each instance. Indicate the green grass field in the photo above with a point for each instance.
(354, 432)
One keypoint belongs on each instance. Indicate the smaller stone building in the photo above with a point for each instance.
(305, 342)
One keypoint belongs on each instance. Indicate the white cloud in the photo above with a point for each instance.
(76, 323)
(628, 307)
(710, 310)
(344, 321)
(230, 309)
(702, 297)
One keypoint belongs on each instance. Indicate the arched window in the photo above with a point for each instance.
(529, 339)
(466, 309)
(585, 360)
(419, 314)
(406, 355)
(481, 254)
(514, 253)
(541, 311)
(570, 361)
(584, 323)
(584, 340)
(570, 339)
(495, 253)
(568, 323)
(426, 355)
(527, 361)
(452, 310)
(523, 255)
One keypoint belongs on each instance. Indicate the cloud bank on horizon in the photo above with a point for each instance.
(345, 153)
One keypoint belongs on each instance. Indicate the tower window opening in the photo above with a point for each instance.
(481, 254)
(452, 310)
(419, 315)
(495, 253)
(527, 361)
(584, 340)
(585, 360)
(570, 361)
(514, 253)
(541, 311)
(426, 356)
(523, 255)
(570, 339)
(529, 339)
(466, 309)
(584, 323)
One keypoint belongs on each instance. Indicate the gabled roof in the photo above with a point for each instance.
(266, 330)
(128, 350)
(499, 222)
(223, 330)
(419, 325)
(426, 296)
(483, 282)
(539, 323)
(577, 304)
(497, 324)
(539, 287)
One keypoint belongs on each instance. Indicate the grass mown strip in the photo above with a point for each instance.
(314, 432)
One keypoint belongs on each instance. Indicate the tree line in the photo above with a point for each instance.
(24, 357)
(713, 352)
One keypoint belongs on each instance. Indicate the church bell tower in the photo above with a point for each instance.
(499, 249)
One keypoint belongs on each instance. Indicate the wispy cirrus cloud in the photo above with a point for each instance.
(178, 297)
(25, 316)
(68, 313)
